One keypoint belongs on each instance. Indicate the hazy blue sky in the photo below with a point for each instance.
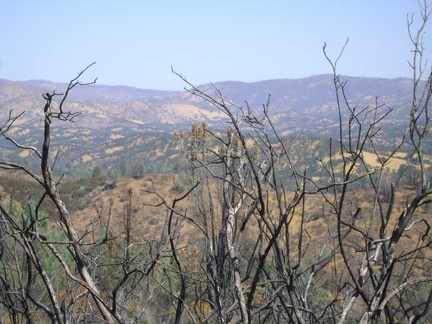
(135, 43)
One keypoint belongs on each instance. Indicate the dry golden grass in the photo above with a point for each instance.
(393, 165)
(116, 136)
(86, 158)
(24, 153)
(114, 149)
(190, 111)
(149, 220)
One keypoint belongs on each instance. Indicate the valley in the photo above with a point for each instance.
(179, 200)
(118, 123)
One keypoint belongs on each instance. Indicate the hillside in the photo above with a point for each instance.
(119, 123)
(104, 106)
(124, 206)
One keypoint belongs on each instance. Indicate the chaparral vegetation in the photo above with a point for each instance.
(250, 225)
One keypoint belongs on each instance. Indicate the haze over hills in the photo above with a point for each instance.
(307, 99)
(119, 119)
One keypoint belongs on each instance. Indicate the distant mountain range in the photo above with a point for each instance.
(306, 104)
(124, 123)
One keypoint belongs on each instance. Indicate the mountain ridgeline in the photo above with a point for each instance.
(120, 122)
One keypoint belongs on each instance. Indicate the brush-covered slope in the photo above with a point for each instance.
(120, 122)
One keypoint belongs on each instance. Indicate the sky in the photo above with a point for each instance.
(135, 43)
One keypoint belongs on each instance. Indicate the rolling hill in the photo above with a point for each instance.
(120, 122)
(308, 98)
